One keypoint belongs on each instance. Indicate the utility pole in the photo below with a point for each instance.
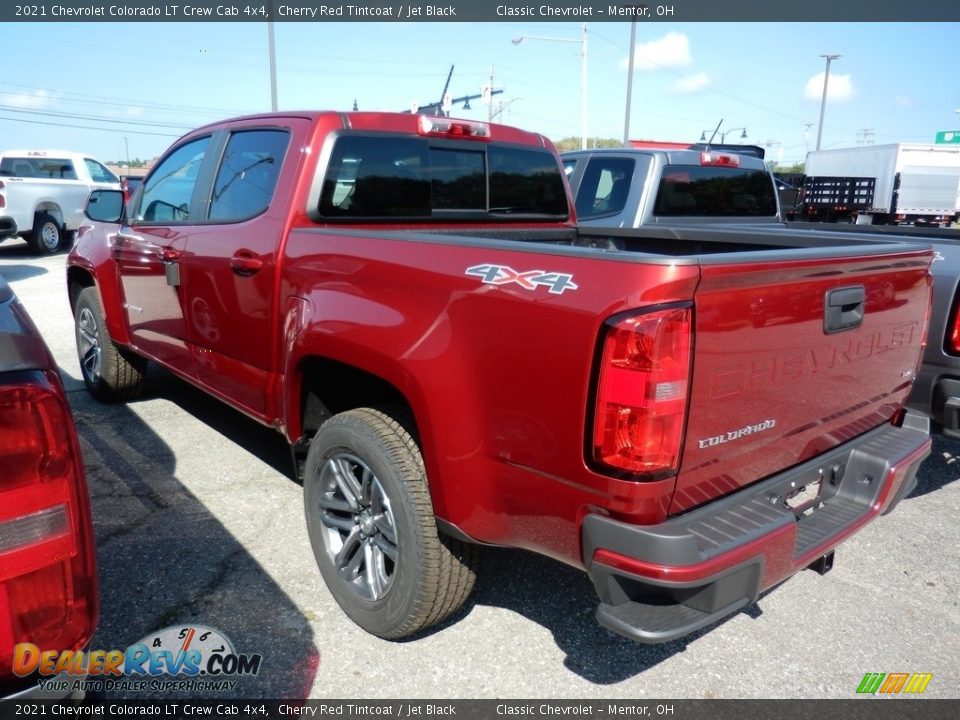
(806, 136)
(583, 73)
(823, 101)
(490, 104)
(866, 135)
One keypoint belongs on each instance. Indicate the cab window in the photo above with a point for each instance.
(248, 174)
(168, 191)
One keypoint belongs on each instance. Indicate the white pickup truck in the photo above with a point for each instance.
(43, 194)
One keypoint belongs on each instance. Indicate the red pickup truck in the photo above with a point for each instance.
(409, 301)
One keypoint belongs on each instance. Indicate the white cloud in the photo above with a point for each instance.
(32, 101)
(840, 87)
(903, 101)
(670, 51)
(135, 111)
(692, 83)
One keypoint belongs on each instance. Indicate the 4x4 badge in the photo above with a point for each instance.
(557, 283)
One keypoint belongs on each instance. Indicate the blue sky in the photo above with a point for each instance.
(151, 82)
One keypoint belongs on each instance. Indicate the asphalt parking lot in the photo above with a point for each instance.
(198, 521)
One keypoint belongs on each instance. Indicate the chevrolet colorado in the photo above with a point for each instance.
(690, 415)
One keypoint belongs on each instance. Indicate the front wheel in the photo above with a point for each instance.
(110, 373)
(373, 531)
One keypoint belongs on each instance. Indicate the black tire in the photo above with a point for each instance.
(431, 576)
(47, 234)
(110, 373)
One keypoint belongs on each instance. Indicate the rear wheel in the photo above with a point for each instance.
(373, 531)
(110, 373)
(47, 234)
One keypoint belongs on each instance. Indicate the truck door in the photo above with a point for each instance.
(147, 251)
(230, 268)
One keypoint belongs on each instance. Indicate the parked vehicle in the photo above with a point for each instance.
(631, 187)
(48, 579)
(43, 193)
(408, 300)
(129, 184)
(884, 185)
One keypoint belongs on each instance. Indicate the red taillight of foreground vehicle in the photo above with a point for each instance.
(48, 590)
(641, 401)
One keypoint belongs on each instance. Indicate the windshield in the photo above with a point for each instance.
(383, 177)
(704, 191)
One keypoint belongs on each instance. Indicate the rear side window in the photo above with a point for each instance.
(401, 177)
(699, 191)
(248, 174)
(99, 173)
(604, 187)
(168, 191)
(43, 168)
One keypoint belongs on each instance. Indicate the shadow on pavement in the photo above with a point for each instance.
(267, 444)
(165, 560)
(562, 600)
(942, 467)
(12, 273)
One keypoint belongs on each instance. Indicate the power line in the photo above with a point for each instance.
(94, 118)
(87, 127)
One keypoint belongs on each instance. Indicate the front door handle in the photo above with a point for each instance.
(245, 262)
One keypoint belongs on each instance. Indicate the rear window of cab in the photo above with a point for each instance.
(386, 177)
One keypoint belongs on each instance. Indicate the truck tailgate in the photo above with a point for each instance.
(793, 358)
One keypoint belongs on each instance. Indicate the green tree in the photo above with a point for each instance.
(573, 143)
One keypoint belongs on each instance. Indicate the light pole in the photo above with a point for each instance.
(626, 120)
(583, 73)
(724, 133)
(823, 101)
(126, 146)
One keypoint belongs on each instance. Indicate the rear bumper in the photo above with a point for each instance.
(8, 227)
(660, 582)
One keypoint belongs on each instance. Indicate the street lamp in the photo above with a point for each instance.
(724, 133)
(823, 101)
(583, 73)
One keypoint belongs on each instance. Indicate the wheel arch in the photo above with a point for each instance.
(79, 278)
(320, 386)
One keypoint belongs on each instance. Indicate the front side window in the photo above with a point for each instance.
(168, 191)
(401, 177)
(99, 173)
(248, 174)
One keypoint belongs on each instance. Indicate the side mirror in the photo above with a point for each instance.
(105, 206)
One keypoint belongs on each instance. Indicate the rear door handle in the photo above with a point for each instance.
(843, 308)
(244, 262)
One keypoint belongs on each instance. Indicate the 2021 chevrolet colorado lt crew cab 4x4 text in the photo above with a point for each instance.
(408, 300)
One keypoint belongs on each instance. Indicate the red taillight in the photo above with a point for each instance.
(3, 200)
(47, 574)
(642, 392)
(953, 343)
(719, 159)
